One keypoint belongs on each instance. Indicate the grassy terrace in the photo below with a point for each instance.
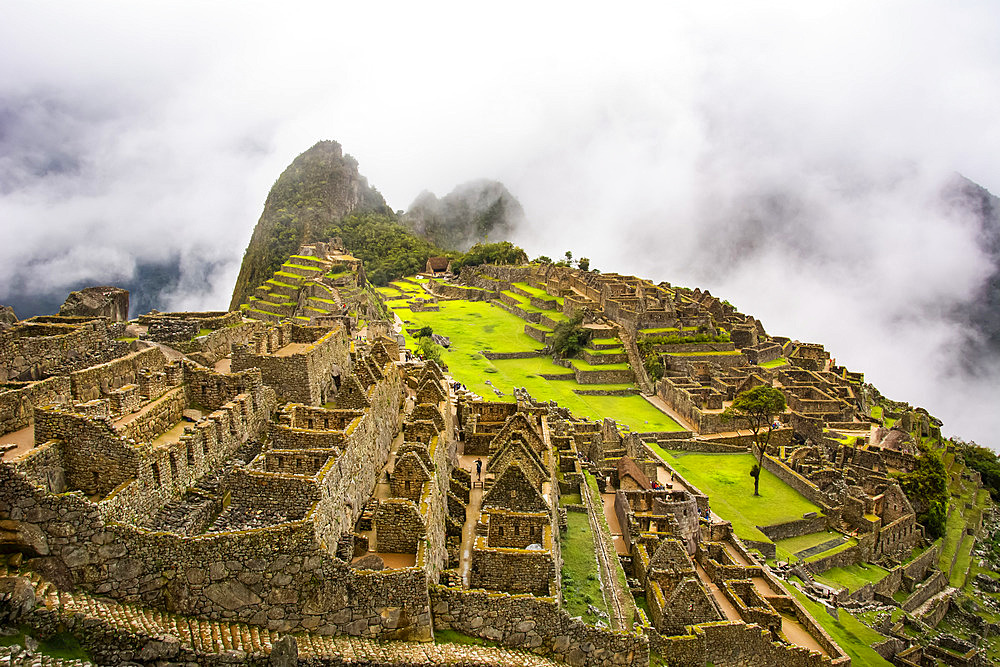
(780, 361)
(473, 326)
(852, 577)
(525, 305)
(664, 330)
(726, 479)
(534, 291)
(581, 583)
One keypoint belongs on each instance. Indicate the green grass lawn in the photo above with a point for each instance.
(780, 361)
(581, 585)
(726, 479)
(476, 325)
(852, 577)
(473, 326)
(606, 341)
(802, 542)
(962, 562)
(850, 634)
(534, 291)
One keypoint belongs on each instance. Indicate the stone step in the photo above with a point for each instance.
(204, 636)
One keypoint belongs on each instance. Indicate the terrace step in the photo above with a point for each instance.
(134, 624)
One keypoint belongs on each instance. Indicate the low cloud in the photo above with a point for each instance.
(786, 156)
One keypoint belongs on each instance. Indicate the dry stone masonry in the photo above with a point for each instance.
(283, 485)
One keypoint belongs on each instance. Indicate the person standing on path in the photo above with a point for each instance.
(479, 469)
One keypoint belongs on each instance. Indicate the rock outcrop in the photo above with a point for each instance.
(104, 301)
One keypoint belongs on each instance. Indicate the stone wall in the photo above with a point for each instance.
(781, 531)
(211, 390)
(689, 408)
(277, 577)
(451, 291)
(736, 644)
(159, 416)
(513, 570)
(39, 347)
(535, 623)
(399, 528)
(850, 556)
(275, 495)
(18, 400)
(307, 376)
(347, 482)
(219, 343)
(286, 437)
(94, 458)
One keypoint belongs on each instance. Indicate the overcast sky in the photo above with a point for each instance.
(786, 156)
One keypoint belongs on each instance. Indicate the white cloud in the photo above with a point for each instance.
(645, 136)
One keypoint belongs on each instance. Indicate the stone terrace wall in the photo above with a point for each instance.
(278, 577)
(735, 644)
(31, 350)
(98, 381)
(449, 291)
(537, 624)
(17, 402)
(219, 343)
(492, 277)
(781, 531)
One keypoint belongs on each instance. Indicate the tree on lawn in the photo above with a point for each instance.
(757, 407)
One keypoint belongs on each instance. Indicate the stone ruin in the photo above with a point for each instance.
(244, 476)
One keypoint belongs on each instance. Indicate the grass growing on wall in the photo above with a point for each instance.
(850, 634)
(726, 479)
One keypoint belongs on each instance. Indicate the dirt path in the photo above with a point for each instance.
(728, 610)
(22, 439)
(621, 548)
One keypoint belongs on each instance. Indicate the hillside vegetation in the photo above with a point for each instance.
(320, 186)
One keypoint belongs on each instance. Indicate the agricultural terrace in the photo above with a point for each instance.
(475, 326)
(725, 478)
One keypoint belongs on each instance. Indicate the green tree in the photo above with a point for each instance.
(927, 489)
(569, 337)
(502, 252)
(757, 408)
(569, 256)
(430, 350)
(583, 263)
(542, 259)
(984, 461)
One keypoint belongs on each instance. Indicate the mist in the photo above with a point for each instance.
(788, 158)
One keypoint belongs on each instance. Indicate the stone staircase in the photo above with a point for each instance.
(136, 625)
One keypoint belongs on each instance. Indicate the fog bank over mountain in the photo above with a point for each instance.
(790, 157)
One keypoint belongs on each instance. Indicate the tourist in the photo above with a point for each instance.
(479, 469)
